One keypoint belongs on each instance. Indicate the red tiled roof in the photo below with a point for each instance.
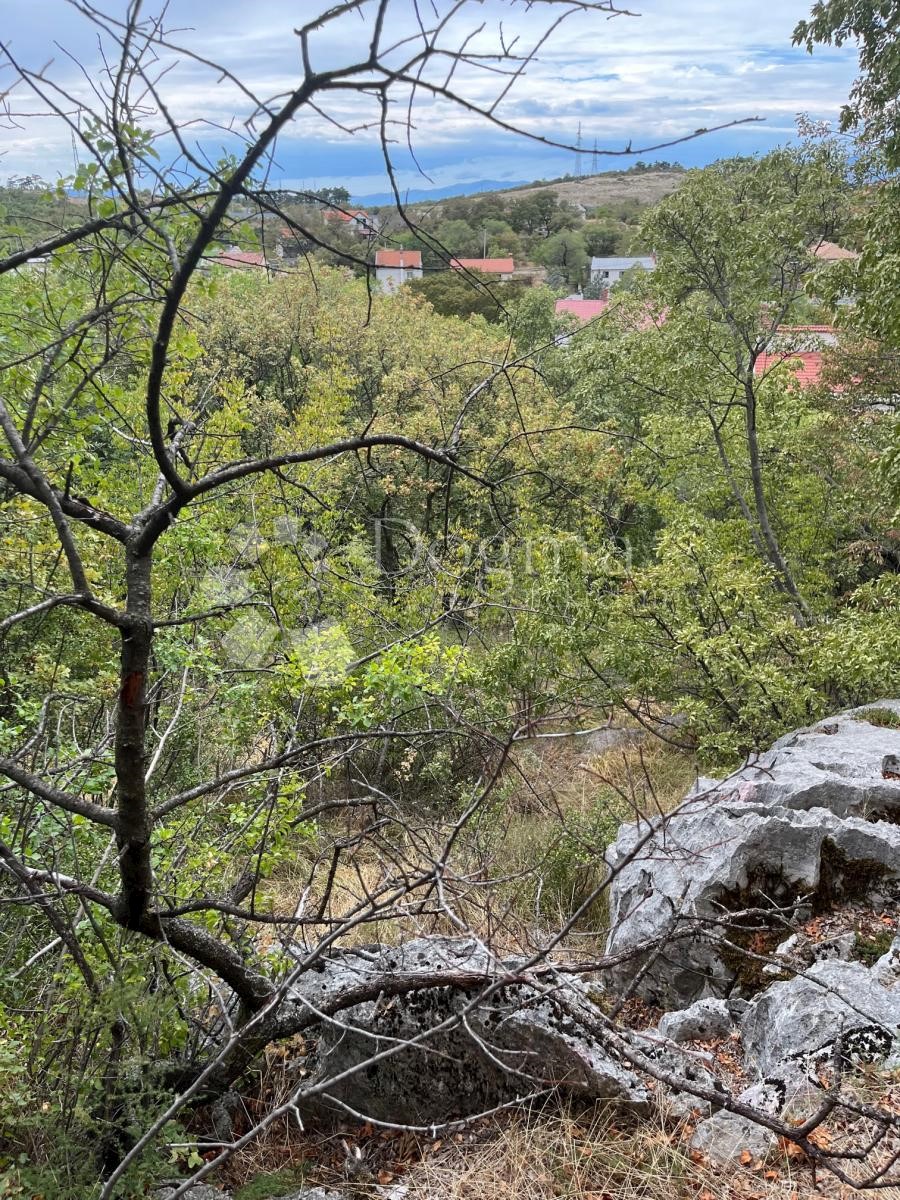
(240, 258)
(832, 252)
(398, 258)
(489, 266)
(351, 214)
(806, 365)
(585, 310)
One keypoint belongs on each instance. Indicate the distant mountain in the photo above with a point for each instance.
(422, 195)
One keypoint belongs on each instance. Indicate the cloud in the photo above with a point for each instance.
(638, 80)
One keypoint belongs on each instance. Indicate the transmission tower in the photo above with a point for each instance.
(578, 151)
(594, 163)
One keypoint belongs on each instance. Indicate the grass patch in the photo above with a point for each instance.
(270, 1186)
(870, 949)
(884, 718)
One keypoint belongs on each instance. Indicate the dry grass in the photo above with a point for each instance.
(552, 1153)
(552, 788)
(597, 1155)
(563, 810)
(541, 840)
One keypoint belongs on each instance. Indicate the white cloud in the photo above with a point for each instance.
(677, 67)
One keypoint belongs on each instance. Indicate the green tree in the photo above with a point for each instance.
(464, 294)
(566, 256)
(872, 24)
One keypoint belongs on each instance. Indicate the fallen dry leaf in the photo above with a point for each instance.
(821, 1137)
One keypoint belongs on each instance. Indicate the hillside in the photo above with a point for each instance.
(609, 187)
(587, 191)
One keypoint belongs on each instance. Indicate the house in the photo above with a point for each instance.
(584, 310)
(503, 267)
(798, 348)
(806, 365)
(832, 252)
(239, 260)
(607, 271)
(355, 220)
(396, 267)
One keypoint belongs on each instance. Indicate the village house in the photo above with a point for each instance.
(354, 220)
(607, 271)
(396, 267)
(832, 252)
(799, 349)
(584, 310)
(239, 260)
(503, 268)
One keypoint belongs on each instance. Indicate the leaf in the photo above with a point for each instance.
(792, 1150)
(746, 1157)
(385, 1177)
(821, 1137)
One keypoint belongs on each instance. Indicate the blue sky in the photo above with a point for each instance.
(678, 66)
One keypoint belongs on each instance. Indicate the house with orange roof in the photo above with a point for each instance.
(799, 349)
(396, 267)
(240, 260)
(356, 220)
(832, 252)
(501, 267)
(584, 310)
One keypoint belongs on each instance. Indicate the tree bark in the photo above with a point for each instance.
(773, 547)
(133, 821)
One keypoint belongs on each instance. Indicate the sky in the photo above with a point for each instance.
(670, 68)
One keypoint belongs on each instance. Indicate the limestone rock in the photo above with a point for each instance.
(805, 819)
(516, 1042)
(724, 1137)
(200, 1191)
(710, 1018)
(798, 1019)
(887, 969)
(316, 1193)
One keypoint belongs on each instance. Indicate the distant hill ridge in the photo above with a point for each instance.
(589, 191)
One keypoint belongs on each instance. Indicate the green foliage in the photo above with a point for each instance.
(872, 25)
(467, 294)
(884, 718)
(574, 865)
(271, 1185)
(637, 517)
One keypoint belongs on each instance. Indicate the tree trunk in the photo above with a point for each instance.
(773, 547)
(133, 825)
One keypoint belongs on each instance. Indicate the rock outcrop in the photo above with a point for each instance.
(809, 829)
(814, 821)
(517, 1041)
